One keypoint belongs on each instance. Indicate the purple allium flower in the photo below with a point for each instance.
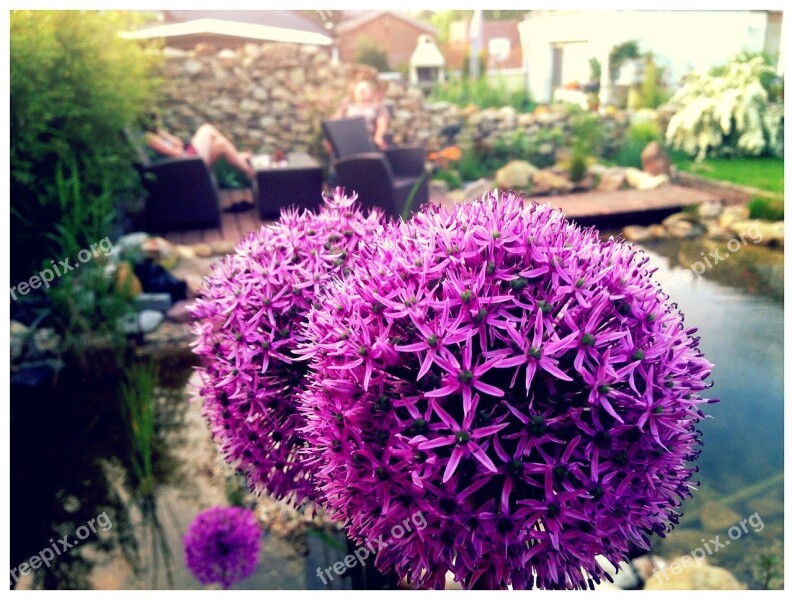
(525, 386)
(248, 324)
(222, 545)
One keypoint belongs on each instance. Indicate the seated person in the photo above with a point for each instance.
(373, 112)
(207, 143)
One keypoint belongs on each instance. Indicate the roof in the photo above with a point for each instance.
(364, 17)
(283, 19)
(232, 29)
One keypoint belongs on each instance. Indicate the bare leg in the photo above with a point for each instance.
(210, 145)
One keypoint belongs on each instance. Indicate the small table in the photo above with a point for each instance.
(297, 182)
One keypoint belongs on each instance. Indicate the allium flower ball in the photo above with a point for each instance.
(248, 324)
(525, 386)
(222, 545)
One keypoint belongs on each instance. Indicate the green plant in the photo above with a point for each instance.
(726, 114)
(75, 84)
(620, 54)
(370, 53)
(767, 209)
(482, 93)
(652, 92)
(451, 177)
(469, 166)
(637, 138)
(137, 408)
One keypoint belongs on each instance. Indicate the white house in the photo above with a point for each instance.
(558, 45)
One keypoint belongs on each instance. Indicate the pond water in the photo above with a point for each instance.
(70, 454)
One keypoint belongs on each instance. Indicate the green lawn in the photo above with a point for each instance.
(762, 173)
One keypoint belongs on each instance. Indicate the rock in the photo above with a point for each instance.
(684, 229)
(46, 341)
(733, 213)
(612, 180)
(127, 284)
(549, 180)
(222, 247)
(153, 301)
(450, 583)
(687, 573)
(658, 231)
(159, 249)
(193, 67)
(439, 186)
(204, 49)
(625, 578)
(193, 283)
(644, 181)
(637, 233)
(477, 189)
(517, 174)
(710, 210)
(19, 335)
(715, 516)
(185, 252)
(179, 313)
(131, 241)
(754, 231)
(643, 567)
(143, 322)
(654, 160)
(202, 250)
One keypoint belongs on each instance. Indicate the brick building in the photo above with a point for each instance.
(395, 33)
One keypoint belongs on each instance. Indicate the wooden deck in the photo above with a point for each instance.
(610, 209)
(235, 225)
(627, 206)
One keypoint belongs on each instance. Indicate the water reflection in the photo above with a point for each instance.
(738, 308)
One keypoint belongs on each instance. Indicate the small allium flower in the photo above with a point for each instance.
(523, 384)
(222, 545)
(248, 319)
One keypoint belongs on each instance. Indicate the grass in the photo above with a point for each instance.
(764, 173)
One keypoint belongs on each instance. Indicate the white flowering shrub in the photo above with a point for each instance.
(727, 114)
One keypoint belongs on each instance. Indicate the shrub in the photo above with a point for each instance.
(768, 209)
(75, 84)
(586, 130)
(369, 53)
(482, 93)
(725, 114)
(653, 91)
(469, 166)
(452, 178)
(637, 138)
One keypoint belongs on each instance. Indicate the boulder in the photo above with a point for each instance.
(687, 573)
(644, 181)
(19, 336)
(637, 233)
(732, 214)
(222, 247)
(517, 174)
(655, 160)
(709, 211)
(755, 231)
(684, 229)
(202, 250)
(612, 180)
(548, 180)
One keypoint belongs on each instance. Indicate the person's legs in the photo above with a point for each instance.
(210, 145)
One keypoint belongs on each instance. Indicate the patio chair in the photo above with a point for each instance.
(182, 191)
(382, 178)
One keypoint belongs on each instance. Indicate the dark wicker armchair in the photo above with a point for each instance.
(182, 192)
(380, 178)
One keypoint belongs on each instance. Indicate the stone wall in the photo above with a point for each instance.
(274, 96)
(263, 97)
